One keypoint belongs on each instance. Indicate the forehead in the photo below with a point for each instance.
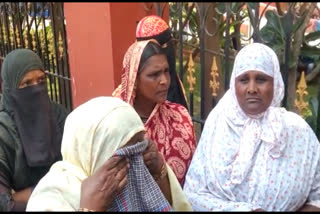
(254, 59)
(156, 61)
(254, 73)
(33, 73)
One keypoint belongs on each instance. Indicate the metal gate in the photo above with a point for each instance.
(39, 26)
(210, 45)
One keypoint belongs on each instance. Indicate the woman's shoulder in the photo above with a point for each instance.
(293, 119)
(297, 127)
(8, 131)
(177, 108)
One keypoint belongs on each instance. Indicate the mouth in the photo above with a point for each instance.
(163, 93)
(253, 100)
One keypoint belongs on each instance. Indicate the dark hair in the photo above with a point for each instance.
(150, 50)
(162, 38)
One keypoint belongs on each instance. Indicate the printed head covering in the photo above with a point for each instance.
(259, 57)
(130, 67)
(154, 27)
(253, 129)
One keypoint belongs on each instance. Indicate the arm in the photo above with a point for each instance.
(309, 208)
(8, 202)
(163, 182)
(22, 195)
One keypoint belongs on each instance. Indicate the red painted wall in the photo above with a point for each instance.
(89, 49)
(98, 36)
(124, 20)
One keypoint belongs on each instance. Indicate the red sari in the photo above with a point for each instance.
(169, 124)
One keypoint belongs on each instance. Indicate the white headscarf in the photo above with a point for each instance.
(93, 132)
(252, 129)
(242, 163)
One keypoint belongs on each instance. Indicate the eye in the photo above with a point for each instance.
(25, 84)
(261, 79)
(243, 80)
(155, 74)
(42, 79)
(167, 70)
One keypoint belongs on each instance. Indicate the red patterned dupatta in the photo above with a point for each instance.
(169, 124)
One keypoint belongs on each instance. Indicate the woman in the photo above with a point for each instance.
(254, 155)
(145, 84)
(31, 128)
(102, 167)
(154, 27)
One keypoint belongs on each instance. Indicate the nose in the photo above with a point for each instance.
(164, 79)
(252, 88)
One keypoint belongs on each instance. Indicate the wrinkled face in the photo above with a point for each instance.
(31, 78)
(153, 80)
(254, 91)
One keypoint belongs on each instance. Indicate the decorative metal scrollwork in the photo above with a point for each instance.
(190, 78)
(214, 83)
(301, 92)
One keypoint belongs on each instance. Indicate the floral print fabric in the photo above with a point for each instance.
(245, 162)
(169, 124)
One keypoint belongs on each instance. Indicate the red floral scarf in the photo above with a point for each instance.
(169, 124)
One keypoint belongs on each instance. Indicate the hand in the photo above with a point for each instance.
(98, 190)
(153, 159)
(22, 195)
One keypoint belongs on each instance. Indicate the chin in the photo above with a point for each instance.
(160, 101)
(254, 111)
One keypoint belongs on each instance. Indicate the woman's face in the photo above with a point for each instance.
(31, 78)
(254, 91)
(153, 80)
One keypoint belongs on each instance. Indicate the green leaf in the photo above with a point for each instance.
(273, 20)
(310, 51)
(312, 36)
(235, 6)
(252, 5)
(287, 22)
(221, 8)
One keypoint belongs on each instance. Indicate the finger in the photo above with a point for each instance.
(121, 164)
(150, 156)
(148, 163)
(109, 182)
(122, 173)
(122, 183)
(111, 162)
(124, 162)
(114, 176)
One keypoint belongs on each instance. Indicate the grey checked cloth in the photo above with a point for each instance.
(142, 193)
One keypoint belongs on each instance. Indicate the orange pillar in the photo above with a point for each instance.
(98, 36)
(124, 20)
